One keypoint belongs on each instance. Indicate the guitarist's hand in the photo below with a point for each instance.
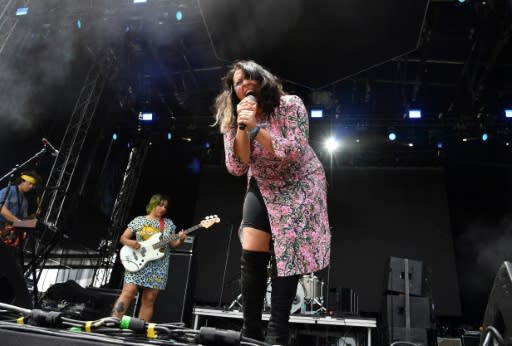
(135, 244)
(182, 235)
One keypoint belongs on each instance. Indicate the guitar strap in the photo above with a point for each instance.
(162, 225)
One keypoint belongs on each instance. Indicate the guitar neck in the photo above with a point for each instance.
(174, 236)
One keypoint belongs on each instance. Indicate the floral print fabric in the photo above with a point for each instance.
(293, 185)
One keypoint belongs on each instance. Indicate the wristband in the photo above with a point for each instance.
(254, 132)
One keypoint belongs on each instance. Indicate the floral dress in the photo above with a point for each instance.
(153, 274)
(293, 185)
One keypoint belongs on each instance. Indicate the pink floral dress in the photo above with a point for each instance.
(293, 185)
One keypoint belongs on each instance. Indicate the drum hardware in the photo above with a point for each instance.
(314, 297)
(237, 301)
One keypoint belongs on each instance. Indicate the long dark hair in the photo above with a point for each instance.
(268, 98)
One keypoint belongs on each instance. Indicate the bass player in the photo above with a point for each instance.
(153, 276)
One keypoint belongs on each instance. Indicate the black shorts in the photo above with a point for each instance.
(255, 213)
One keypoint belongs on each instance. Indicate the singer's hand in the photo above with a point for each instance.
(246, 111)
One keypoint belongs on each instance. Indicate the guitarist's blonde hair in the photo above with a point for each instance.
(154, 201)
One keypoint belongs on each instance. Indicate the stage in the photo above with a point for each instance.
(335, 326)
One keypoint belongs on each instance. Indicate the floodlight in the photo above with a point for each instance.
(317, 113)
(146, 116)
(331, 144)
(414, 113)
(22, 11)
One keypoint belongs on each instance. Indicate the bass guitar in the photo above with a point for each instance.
(134, 260)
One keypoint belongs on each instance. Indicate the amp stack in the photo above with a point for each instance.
(407, 307)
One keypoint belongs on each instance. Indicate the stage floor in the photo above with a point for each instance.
(360, 324)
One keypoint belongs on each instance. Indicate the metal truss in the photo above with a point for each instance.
(59, 180)
(119, 216)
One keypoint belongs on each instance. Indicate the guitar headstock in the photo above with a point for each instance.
(209, 221)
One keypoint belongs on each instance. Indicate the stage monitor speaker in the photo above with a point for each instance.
(395, 277)
(498, 312)
(174, 304)
(449, 341)
(13, 288)
(104, 300)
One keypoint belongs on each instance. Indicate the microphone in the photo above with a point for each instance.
(250, 95)
(47, 143)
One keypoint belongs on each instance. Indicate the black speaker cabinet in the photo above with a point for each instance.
(174, 304)
(13, 288)
(104, 300)
(418, 336)
(395, 278)
(420, 311)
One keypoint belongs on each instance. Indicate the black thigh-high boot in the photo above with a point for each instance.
(253, 284)
(283, 294)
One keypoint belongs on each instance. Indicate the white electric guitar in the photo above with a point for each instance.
(134, 260)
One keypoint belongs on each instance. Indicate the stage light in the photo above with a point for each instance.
(485, 136)
(22, 11)
(79, 24)
(169, 136)
(414, 113)
(392, 136)
(179, 15)
(411, 145)
(139, 1)
(461, 1)
(439, 145)
(146, 116)
(316, 113)
(114, 136)
(331, 144)
(508, 113)
(207, 145)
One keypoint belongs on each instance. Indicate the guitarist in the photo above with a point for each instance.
(153, 276)
(14, 204)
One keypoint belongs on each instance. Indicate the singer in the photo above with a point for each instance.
(285, 207)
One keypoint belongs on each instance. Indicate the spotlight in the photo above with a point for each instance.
(331, 144)
(485, 136)
(391, 136)
(114, 136)
(79, 24)
(22, 11)
(169, 136)
(508, 113)
(139, 1)
(316, 113)
(439, 145)
(146, 116)
(414, 113)
(179, 15)
(461, 1)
